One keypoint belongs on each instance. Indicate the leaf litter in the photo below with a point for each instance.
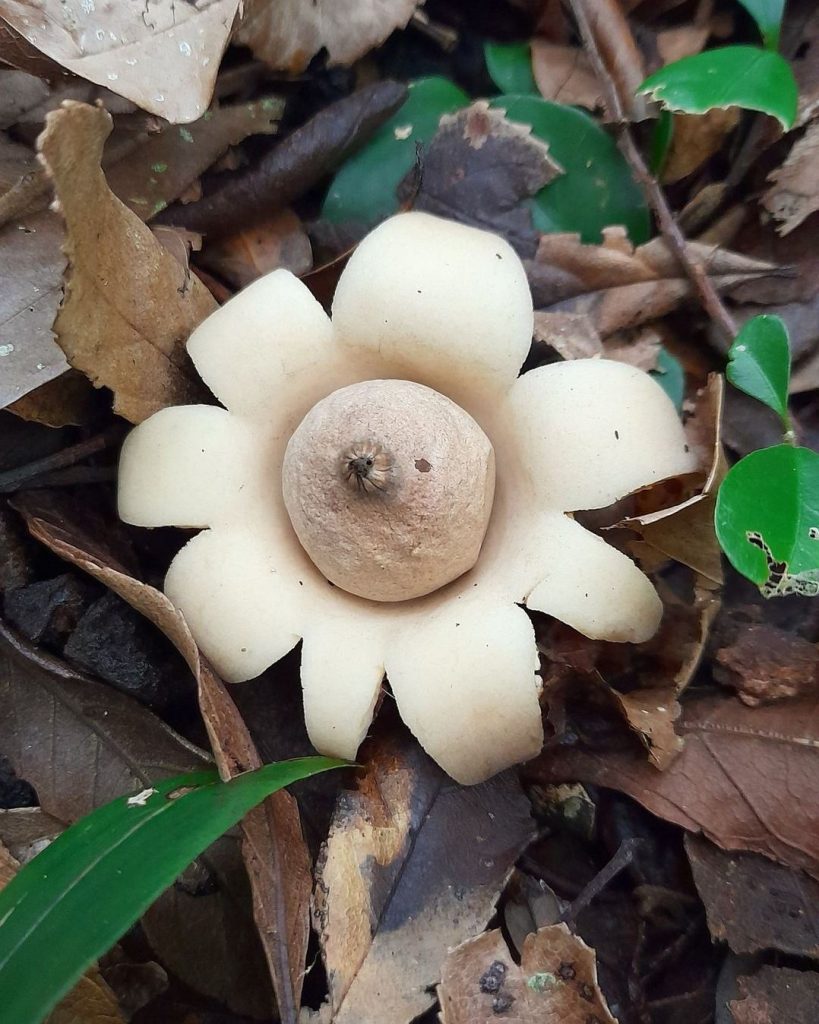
(693, 754)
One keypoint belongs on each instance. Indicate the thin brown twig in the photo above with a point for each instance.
(702, 285)
(22, 476)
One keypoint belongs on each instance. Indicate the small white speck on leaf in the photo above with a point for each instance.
(402, 131)
(6, 350)
(140, 799)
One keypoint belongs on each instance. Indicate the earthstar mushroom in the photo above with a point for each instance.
(387, 489)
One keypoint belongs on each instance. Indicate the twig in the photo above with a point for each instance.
(13, 479)
(694, 270)
(621, 860)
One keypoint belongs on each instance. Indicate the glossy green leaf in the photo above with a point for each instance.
(596, 189)
(363, 190)
(75, 899)
(768, 16)
(670, 375)
(661, 138)
(767, 519)
(510, 67)
(730, 76)
(759, 362)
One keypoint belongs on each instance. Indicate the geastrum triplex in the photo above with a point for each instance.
(386, 488)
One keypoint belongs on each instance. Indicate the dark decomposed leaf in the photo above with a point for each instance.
(413, 865)
(777, 995)
(478, 168)
(754, 904)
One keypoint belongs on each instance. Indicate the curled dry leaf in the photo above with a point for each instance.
(777, 995)
(128, 302)
(685, 532)
(754, 904)
(278, 241)
(476, 170)
(159, 171)
(288, 34)
(274, 850)
(413, 865)
(556, 982)
(618, 286)
(747, 779)
(564, 75)
(794, 193)
(164, 55)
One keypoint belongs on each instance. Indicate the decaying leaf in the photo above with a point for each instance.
(570, 335)
(556, 982)
(695, 139)
(160, 170)
(777, 995)
(279, 241)
(794, 193)
(754, 904)
(685, 532)
(163, 55)
(288, 34)
(564, 75)
(412, 866)
(274, 850)
(476, 170)
(746, 778)
(128, 303)
(618, 286)
(765, 663)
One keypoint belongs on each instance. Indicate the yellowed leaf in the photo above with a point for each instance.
(129, 306)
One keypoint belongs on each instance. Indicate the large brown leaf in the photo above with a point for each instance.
(556, 982)
(413, 865)
(163, 55)
(273, 848)
(128, 302)
(747, 779)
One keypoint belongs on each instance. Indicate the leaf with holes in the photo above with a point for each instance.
(767, 519)
(729, 76)
(759, 362)
(75, 899)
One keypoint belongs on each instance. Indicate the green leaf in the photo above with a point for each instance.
(363, 190)
(730, 76)
(670, 375)
(661, 138)
(596, 189)
(75, 899)
(510, 66)
(759, 362)
(767, 519)
(768, 16)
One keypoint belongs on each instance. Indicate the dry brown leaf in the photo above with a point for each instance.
(754, 904)
(274, 849)
(618, 286)
(777, 995)
(747, 779)
(128, 303)
(806, 70)
(163, 55)
(766, 663)
(794, 194)
(288, 34)
(695, 139)
(564, 75)
(685, 532)
(681, 41)
(570, 335)
(638, 348)
(160, 170)
(19, 92)
(279, 241)
(618, 51)
(413, 864)
(556, 982)
(68, 400)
